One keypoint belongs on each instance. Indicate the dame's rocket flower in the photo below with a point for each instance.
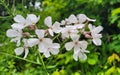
(95, 34)
(16, 35)
(52, 28)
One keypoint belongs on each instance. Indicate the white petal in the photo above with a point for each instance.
(19, 51)
(69, 45)
(47, 54)
(51, 32)
(19, 19)
(47, 41)
(32, 42)
(97, 41)
(26, 53)
(12, 33)
(90, 27)
(97, 29)
(82, 18)
(48, 21)
(54, 51)
(33, 18)
(55, 45)
(42, 47)
(75, 56)
(72, 19)
(83, 44)
(82, 56)
(75, 37)
(93, 20)
(17, 26)
(76, 49)
(40, 33)
(56, 27)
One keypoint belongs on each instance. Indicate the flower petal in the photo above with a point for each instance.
(48, 21)
(26, 53)
(72, 19)
(17, 26)
(42, 48)
(32, 42)
(82, 56)
(19, 51)
(51, 32)
(75, 37)
(97, 29)
(97, 41)
(19, 19)
(33, 19)
(12, 33)
(54, 51)
(69, 45)
(75, 56)
(82, 18)
(56, 27)
(40, 33)
(47, 54)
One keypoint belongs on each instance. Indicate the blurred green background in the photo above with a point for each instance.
(102, 60)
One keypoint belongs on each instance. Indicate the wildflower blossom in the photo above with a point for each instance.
(52, 28)
(95, 34)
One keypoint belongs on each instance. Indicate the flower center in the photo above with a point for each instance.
(40, 39)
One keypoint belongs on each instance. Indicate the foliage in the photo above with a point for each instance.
(103, 60)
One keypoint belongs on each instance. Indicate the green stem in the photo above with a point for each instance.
(20, 58)
(56, 36)
(43, 64)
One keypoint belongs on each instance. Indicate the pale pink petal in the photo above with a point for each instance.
(32, 18)
(83, 44)
(82, 56)
(40, 33)
(17, 26)
(32, 42)
(19, 19)
(26, 53)
(12, 33)
(69, 45)
(42, 47)
(75, 56)
(97, 29)
(82, 18)
(55, 45)
(54, 51)
(19, 51)
(48, 21)
(97, 41)
(47, 41)
(76, 49)
(51, 32)
(47, 54)
(56, 27)
(72, 19)
(75, 37)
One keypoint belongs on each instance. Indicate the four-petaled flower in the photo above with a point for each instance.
(95, 34)
(52, 28)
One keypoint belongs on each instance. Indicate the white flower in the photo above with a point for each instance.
(79, 48)
(43, 42)
(82, 18)
(52, 48)
(20, 50)
(95, 34)
(80, 54)
(16, 35)
(69, 31)
(52, 28)
(76, 44)
(21, 22)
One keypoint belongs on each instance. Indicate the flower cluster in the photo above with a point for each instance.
(77, 29)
